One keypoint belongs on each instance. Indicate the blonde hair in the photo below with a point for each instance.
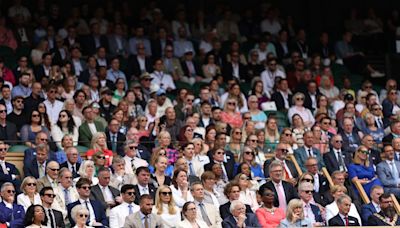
(159, 204)
(241, 156)
(357, 160)
(93, 143)
(25, 183)
(293, 204)
(83, 167)
(336, 188)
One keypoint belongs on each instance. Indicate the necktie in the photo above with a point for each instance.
(130, 209)
(310, 153)
(146, 222)
(103, 190)
(133, 166)
(191, 170)
(347, 220)
(341, 162)
(281, 197)
(66, 197)
(74, 174)
(87, 207)
(51, 217)
(41, 171)
(114, 144)
(224, 176)
(3, 166)
(287, 176)
(145, 191)
(204, 214)
(395, 172)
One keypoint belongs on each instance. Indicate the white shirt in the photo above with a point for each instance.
(308, 213)
(164, 79)
(316, 182)
(119, 213)
(268, 79)
(178, 197)
(91, 210)
(53, 109)
(332, 210)
(137, 162)
(142, 63)
(107, 194)
(92, 128)
(169, 220)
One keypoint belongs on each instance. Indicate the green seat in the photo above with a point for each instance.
(281, 118)
(18, 148)
(82, 149)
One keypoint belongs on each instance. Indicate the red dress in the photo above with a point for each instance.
(107, 153)
(234, 120)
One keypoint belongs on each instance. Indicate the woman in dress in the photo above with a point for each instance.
(30, 195)
(159, 176)
(35, 217)
(372, 129)
(29, 131)
(319, 142)
(99, 144)
(164, 142)
(268, 215)
(248, 156)
(235, 145)
(142, 126)
(298, 129)
(189, 212)
(230, 115)
(271, 134)
(165, 207)
(257, 116)
(180, 188)
(119, 92)
(362, 171)
(258, 91)
(210, 136)
(299, 109)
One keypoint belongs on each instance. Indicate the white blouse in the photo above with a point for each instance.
(169, 220)
(24, 200)
(177, 194)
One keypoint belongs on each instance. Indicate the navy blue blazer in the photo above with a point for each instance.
(8, 178)
(366, 211)
(317, 213)
(331, 162)
(30, 154)
(99, 212)
(15, 216)
(301, 156)
(251, 221)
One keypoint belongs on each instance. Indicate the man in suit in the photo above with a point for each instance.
(396, 146)
(232, 192)
(388, 172)
(172, 65)
(218, 157)
(343, 218)
(43, 69)
(50, 179)
(65, 192)
(290, 172)
(374, 156)
(144, 186)
(30, 153)
(387, 216)
(118, 45)
(37, 167)
(374, 206)
(234, 69)
(284, 191)
(86, 130)
(6, 98)
(270, 74)
(181, 163)
(14, 216)
(144, 217)
(311, 211)
(321, 184)
(191, 69)
(135, 68)
(282, 96)
(8, 171)
(8, 130)
(351, 139)
(97, 215)
(335, 159)
(195, 167)
(132, 162)
(108, 196)
(115, 139)
(394, 132)
(54, 217)
(120, 177)
(239, 217)
(310, 96)
(94, 40)
(206, 212)
(306, 151)
(119, 213)
(32, 102)
(141, 151)
(72, 163)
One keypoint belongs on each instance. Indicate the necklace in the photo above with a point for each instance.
(270, 210)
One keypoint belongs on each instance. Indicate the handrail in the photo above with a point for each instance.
(293, 159)
(327, 176)
(395, 203)
(362, 192)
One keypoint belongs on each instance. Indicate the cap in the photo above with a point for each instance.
(348, 97)
(145, 75)
(136, 84)
(160, 92)
(188, 51)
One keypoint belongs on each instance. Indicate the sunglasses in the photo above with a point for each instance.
(130, 193)
(62, 115)
(3, 149)
(3, 111)
(309, 180)
(83, 215)
(50, 195)
(299, 99)
(86, 187)
(309, 191)
(31, 184)
(101, 157)
(11, 191)
(147, 79)
(52, 91)
(238, 133)
(288, 134)
(231, 103)
(166, 193)
(132, 147)
(220, 152)
(253, 140)
(283, 150)
(364, 151)
(326, 123)
(338, 141)
(44, 140)
(35, 115)
(376, 109)
(54, 169)
(249, 152)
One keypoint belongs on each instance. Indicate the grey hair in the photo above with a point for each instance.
(342, 198)
(127, 143)
(62, 171)
(117, 160)
(234, 204)
(51, 162)
(42, 147)
(304, 185)
(78, 208)
(6, 184)
(274, 164)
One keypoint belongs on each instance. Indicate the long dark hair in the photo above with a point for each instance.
(45, 117)
(30, 215)
(70, 124)
(40, 117)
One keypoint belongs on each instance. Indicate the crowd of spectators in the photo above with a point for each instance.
(216, 119)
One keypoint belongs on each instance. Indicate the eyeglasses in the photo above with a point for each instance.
(231, 103)
(283, 150)
(299, 99)
(3, 111)
(52, 169)
(132, 147)
(309, 191)
(288, 134)
(249, 152)
(83, 215)
(143, 120)
(166, 193)
(309, 180)
(364, 151)
(50, 195)
(189, 100)
(220, 153)
(130, 193)
(35, 115)
(101, 157)
(376, 109)
(31, 184)
(11, 191)
(147, 79)
(86, 187)
(43, 140)
(338, 141)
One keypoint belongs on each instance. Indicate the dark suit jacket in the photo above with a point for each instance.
(85, 135)
(387, 140)
(39, 72)
(280, 51)
(97, 194)
(120, 143)
(290, 191)
(134, 67)
(227, 71)
(346, 143)
(152, 191)
(32, 169)
(251, 221)
(15, 216)
(319, 196)
(280, 102)
(289, 163)
(156, 49)
(229, 164)
(317, 213)
(143, 153)
(331, 162)
(308, 101)
(8, 178)
(58, 216)
(375, 221)
(77, 165)
(11, 131)
(337, 221)
(197, 68)
(225, 211)
(375, 157)
(366, 211)
(99, 212)
(89, 44)
(30, 154)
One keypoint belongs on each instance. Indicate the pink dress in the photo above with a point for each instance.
(234, 120)
(268, 220)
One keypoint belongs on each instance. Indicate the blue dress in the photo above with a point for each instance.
(361, 171)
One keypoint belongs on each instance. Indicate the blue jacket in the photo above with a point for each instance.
(366, 211)
(251, 221)
(99, 212)
(317, 213)
(301, 156)
(15, 216)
